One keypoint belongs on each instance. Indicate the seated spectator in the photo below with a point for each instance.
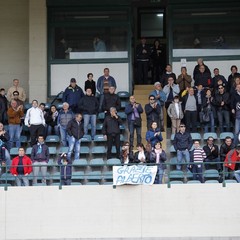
(224, 149)
(221, 102)
(65, 169)
(232, 162)
(154, 135)
(175, 112)
(90, 83)
(51, 119)
(65, 115)
(182, 144)
(141, 156)
(40, 158)
(21, 167)
(197, 156)
(159, 157)
(232, 76)
(236, 81)
(212, 153)
(153, 111)
(126, 154)
(89, 105)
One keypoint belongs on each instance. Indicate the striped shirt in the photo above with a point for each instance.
(198, 155)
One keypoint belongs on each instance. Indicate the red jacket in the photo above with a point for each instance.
(26, 162)
(231, 159)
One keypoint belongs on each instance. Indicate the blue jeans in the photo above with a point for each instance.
(237, 175)
(52, 130)
(223, 114)
(210, 124)
(74, 144)
(92, 119)
(159, 176)
(22, 180)
(180, 155)
(14, 134)
(64, 136)
(131, 129)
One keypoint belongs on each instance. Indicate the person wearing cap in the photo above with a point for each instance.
(160, 98)
(65, 169)
(175, 112)
(72, 95)
(232, 162)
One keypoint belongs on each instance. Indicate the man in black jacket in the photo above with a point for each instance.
(89, 105)
(111, 132)
(75, 133)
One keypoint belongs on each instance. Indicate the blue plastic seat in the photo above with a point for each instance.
(94, 175)
(223, 135)
(52, 139)
(98, 150)
(98, 162)
(113, 162)
(209, 134)
(123, 94)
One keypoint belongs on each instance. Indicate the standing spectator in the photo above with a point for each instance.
(103, 84)
(152, 110)
(111, 99)
(16, 87)
(75, 133)
(159, 157)
(89, 105)
(222, 105)
(72, 95)
(217, 77)
(197, 68)
(143, 53)
(235, 107)
(141, 156)
(232, 76)
(184, 80)
(65, 169)
(52, 121)
(160, 98)
(15, 114)
(182, 144)
(197, 156)
(203, 78)
(35, 121)
(167, 74)
(99, 45)
(4, 138)
(90, 83)
(65, 115)
(208, 107)
(175, 112)
(40, 158)
(16, 98)
(3, 107)
(212, 153)
(224, 149)
(153, 135)
(21, 167)
(3, 161)
(111, 132)
(190, 110)
(158, 56)
(134, 111)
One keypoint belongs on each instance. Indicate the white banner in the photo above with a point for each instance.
(136, 174)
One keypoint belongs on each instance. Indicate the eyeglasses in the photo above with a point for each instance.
(220, 88)
(152, 98)
(15, 94)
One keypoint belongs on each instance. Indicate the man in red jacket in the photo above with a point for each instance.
(21, 167)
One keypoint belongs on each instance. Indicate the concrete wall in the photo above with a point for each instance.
(14, 42)
(141, 212)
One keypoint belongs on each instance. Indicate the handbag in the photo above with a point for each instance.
(137, 122)
(204, 116)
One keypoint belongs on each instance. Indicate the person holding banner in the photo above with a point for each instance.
(158, 156)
